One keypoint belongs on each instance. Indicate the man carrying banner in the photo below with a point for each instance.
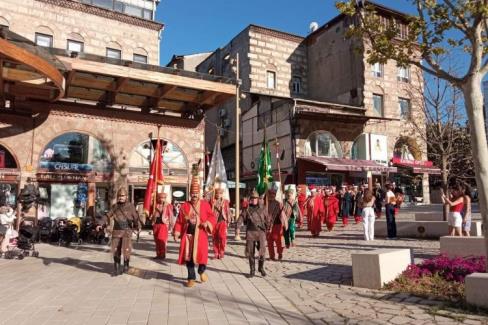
(161, 219)
(278, 223)
(255, 218)
(221, 210)
(195, 222)
(125, 219)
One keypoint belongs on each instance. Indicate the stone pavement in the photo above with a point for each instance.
(312, 285)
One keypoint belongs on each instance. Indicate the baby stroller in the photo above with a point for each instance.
(68, 231)
(23, 244)
(46, 229)
(90, 233)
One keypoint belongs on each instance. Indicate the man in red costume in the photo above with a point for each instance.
(161, 218)
(302, 200)
(331, 209)
(221, 210)
(195, 222)
(278, 223)
(315, 213)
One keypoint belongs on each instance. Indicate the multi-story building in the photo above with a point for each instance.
(325, 105)
(82, 99)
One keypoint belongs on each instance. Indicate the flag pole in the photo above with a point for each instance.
(158, 143)
(277, 145)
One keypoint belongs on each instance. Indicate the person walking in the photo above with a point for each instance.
(195, 223)
(358, 199)
(315, 212)
(455, 201)
(161, 219)
(221, 209)
(368, 215)
(331, 208)
(255, 218)
(125, 220)
(379, 197)
(278, 224)
(390, 212)
(467, 211)
(293, 215)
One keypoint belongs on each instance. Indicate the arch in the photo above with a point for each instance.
(4, 21)
(140, 51)
(175, 162)
(114, 45)
(76, 151)
(323, 144)
(45, 30)
(407, 148)
(7, 158)
(359, 146)
(76, 37)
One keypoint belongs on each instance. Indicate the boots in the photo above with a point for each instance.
(126, 266)
(252, 265)
(117, 267)
(261, 266)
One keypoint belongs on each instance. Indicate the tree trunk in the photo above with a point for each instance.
(474, 109)
(445, 207)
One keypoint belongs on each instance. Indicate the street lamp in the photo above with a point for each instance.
(235, 64)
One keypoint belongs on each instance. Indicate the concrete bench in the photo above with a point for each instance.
(429, 216)
(463, 246)
(372, 269)
(476, 288)
(422, 229)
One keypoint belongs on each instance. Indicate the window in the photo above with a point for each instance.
(107, 4)
(402, 30)
(377, 70)
(133, 10)
(378, 104)
(403, 74)
(75, 46)
(118, 6)
(404, 105)
(323, 144)
(296, 83)
(270, 79)
(266, 114)
(147, 14)
(114, 54)
(139, 58)
(44, 40)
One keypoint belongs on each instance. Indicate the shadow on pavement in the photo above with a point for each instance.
(331, 273)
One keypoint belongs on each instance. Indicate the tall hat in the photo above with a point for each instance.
(122, 191)
(254, 193)
(195, 180)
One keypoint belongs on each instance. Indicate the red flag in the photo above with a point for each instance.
(155, 179)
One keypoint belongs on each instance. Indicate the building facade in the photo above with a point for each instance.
(81, 122)
(321, 100)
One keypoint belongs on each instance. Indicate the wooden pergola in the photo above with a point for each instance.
(31, 72)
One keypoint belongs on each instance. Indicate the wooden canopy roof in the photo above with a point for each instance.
(52, 74)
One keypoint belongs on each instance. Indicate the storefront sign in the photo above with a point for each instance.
(411, 163)
(53, 177)
(62, 166)
(9, 175)
(379, 148)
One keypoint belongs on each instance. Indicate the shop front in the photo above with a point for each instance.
(74, 175)
(9, 178)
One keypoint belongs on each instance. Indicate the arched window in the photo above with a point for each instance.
(407, 148)
(323, 144)
(4, 22)
(76, 152)
(174, 160)
(7, 160)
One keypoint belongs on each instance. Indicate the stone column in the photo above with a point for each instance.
(426, 188)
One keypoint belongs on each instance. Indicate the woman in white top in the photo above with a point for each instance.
(7, 217)
(368, 214)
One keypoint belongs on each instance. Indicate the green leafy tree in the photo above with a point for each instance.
(454, 28)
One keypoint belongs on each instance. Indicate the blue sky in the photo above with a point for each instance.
(193, 26)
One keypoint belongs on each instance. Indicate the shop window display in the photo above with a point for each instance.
(323, 144)
(174, 160)
(8, 188)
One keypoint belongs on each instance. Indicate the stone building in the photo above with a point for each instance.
(82, 122)
(337, 118)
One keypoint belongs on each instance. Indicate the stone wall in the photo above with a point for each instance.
(95, 31)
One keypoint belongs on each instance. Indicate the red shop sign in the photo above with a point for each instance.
(412, 163)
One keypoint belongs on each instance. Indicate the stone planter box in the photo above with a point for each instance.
(422, 229)
(476, 289)
(372, 269)
(463, 246)
(429, 216)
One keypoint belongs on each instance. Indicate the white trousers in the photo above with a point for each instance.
(368, 223)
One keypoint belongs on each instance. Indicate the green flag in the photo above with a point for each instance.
(264, 170)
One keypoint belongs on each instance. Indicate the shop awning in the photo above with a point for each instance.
(348, 165)
(417, 166)
(28, 71)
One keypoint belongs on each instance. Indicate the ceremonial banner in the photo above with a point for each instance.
(155, 179)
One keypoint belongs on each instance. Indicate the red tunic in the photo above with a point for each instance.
(331, 207)
(315, 212)
(205, 224)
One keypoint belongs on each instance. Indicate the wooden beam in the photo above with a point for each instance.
(69, 79)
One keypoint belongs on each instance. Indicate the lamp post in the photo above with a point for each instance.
(237, 146)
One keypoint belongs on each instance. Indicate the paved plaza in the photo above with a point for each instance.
(312, 285)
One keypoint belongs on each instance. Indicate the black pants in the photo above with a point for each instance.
(390, 221)
(190, 266)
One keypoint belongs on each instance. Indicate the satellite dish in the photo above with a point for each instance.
(313, 26)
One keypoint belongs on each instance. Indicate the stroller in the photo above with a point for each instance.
(67, 231)
(89, 232)
(23, 245)
(46, 229)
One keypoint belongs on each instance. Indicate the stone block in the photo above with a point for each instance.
(422, 229)
(429, 216)
(372, 269)
(463, 246)
(476, 288)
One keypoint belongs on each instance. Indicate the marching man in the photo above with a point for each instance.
(161, 219)
(293, 215)
(195, 223)
(278, 223)
(221, 210)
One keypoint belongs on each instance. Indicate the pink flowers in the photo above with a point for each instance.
(450, 269)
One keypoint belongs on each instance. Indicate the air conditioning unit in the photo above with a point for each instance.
(222, 112)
